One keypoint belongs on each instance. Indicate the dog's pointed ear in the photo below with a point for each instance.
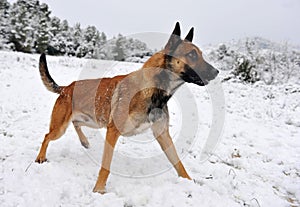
(174, 38)
(177, 30)
(190, 35)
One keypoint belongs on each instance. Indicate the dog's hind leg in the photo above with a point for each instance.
(82, 137)
(60, 119)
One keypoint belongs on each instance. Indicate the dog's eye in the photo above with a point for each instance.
(193, 55)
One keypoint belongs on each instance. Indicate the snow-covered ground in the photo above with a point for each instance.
(256, 163)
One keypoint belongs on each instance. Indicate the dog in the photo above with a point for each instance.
(128, 104)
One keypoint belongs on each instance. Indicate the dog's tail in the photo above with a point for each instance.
(46, 77)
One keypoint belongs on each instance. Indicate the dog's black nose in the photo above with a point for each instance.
(215, 73)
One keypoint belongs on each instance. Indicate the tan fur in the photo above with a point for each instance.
(102, 102)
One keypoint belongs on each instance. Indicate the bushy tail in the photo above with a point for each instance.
(46, 77)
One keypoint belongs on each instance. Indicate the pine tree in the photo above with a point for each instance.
(92, 40)
(53, 47)
(80, 44)
(23, 17)
(19, 22)
(103, 39)
(43, 31)
(4, 18)
(77, 36)
(119, 53)
(61, 38)
(99, 53)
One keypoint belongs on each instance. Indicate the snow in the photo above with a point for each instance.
(256, 162)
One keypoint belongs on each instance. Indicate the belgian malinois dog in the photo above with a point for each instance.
(128, 104)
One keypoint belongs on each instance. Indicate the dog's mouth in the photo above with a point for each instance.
(201, 82)
(199, 78)
(194, 78)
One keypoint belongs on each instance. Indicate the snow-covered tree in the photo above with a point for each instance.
(103, 39)
(27, 25)
(42, 40)
(106, 50)
(99, 50)
(21, 30)
(61, 37)
(119, 49)
(64, 37)
(54, 30)
(91, 40)
(4, 24)
(77, 36)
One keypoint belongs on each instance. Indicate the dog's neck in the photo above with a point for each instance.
(158, 68)
(165, 79)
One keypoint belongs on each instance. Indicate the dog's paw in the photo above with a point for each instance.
(100, 190)
(40, 160)
(85, 144)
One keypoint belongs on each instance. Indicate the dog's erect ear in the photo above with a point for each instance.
(174, 38)
(190, 35)
(177, 30)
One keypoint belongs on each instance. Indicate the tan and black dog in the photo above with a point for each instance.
(128, 104)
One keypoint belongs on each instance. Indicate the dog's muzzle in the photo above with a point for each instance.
(199, 78)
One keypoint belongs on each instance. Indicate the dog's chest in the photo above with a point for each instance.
(142, 127)
(157, 106)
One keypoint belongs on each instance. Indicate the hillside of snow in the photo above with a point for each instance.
(256, 162)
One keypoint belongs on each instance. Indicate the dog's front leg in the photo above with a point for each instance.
(161, 132)
(112, 136)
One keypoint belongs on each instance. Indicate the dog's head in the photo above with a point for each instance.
(186, 60)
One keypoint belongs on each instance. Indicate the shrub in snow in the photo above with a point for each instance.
(256, 59)
(244, 70)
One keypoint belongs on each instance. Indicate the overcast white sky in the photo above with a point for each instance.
(215, 21)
